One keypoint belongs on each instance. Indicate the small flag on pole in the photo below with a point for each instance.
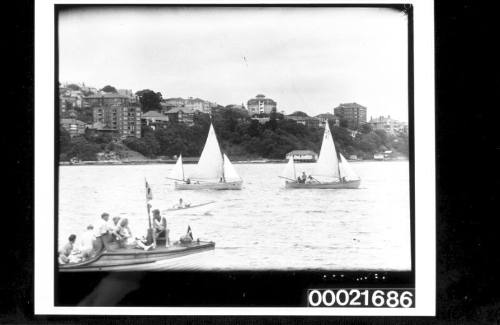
(149, 193)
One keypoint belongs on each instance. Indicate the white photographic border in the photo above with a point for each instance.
(424, 154)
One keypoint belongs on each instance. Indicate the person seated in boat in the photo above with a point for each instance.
(115, 227)
(188, 181)
(188, 237)
(86, 242)
(126, 238)
(160, 226)
(182, 204)
(343, 180)
(299, 180)
(221, 180)
(309, 180)
(66, 250)
(304, 177)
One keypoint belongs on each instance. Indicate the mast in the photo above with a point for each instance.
(182, 166)
(223, 162)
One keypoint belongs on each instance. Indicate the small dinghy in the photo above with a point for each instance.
(188, 206)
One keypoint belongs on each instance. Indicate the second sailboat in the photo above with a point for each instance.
(214, 170)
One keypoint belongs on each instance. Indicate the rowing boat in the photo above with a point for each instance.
(189, 206)
(129, 259)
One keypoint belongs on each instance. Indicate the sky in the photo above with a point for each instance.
(308, 59)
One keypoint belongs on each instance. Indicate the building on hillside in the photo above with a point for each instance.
(307, 121)
(170, 103)
(181, 115)
(261, 105)
(69, 99)
(323, 118)
(261, 120)
(126, 120)
(116, 111)
(154, 120)
(198, 104)
(388, 124)
(73, 126)
(353, 113)
(126, 92)
(98, 128)
(302, 155)
(236, 106)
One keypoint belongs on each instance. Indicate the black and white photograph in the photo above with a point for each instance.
(223, 144)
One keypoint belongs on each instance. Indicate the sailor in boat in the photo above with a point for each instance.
(127, 240)
(304, 177)
(104, 232)
(181, 204)
(160, 227)
(67, 249)
(86, 242)
(188, 181)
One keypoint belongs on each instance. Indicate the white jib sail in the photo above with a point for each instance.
(328, 163)
(346, 170)
(289, 171)
(210, 164)
(230, 174)
(178, 171)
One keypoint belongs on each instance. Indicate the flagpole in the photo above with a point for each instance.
(150, 237)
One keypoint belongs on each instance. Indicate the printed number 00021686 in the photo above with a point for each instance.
(392, 298)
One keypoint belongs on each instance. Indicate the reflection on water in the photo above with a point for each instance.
(263, 226)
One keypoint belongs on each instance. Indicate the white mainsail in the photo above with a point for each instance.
(346, 170)
(229, 171)
(210, 164)
(178, 171)
(289, 171)
(328, 163)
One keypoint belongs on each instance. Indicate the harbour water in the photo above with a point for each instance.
(264, 226)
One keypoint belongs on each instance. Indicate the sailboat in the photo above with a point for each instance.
(214, 170)
(330, 172)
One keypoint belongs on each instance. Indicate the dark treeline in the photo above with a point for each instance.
(240, 137)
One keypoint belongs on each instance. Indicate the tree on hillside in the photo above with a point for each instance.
(150, 100)
(109, 89)
(299, 113)
(73, 87)
(365, 128)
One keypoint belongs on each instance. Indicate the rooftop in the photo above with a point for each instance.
(180, 109)
(153, 114)
(301, 152)
(351, 105)
(72, 121)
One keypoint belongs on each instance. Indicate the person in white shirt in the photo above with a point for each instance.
(104, 232)
(86, 242)
(127, 239)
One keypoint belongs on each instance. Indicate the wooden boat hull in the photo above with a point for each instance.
(132, 258)
(330, 185)
(236, 185)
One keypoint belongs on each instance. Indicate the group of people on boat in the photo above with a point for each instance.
(304, 179)
(116, 234)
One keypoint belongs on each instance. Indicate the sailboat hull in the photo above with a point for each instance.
(236, 185)
(330, 185)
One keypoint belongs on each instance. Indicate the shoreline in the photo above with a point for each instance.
(195, 160)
